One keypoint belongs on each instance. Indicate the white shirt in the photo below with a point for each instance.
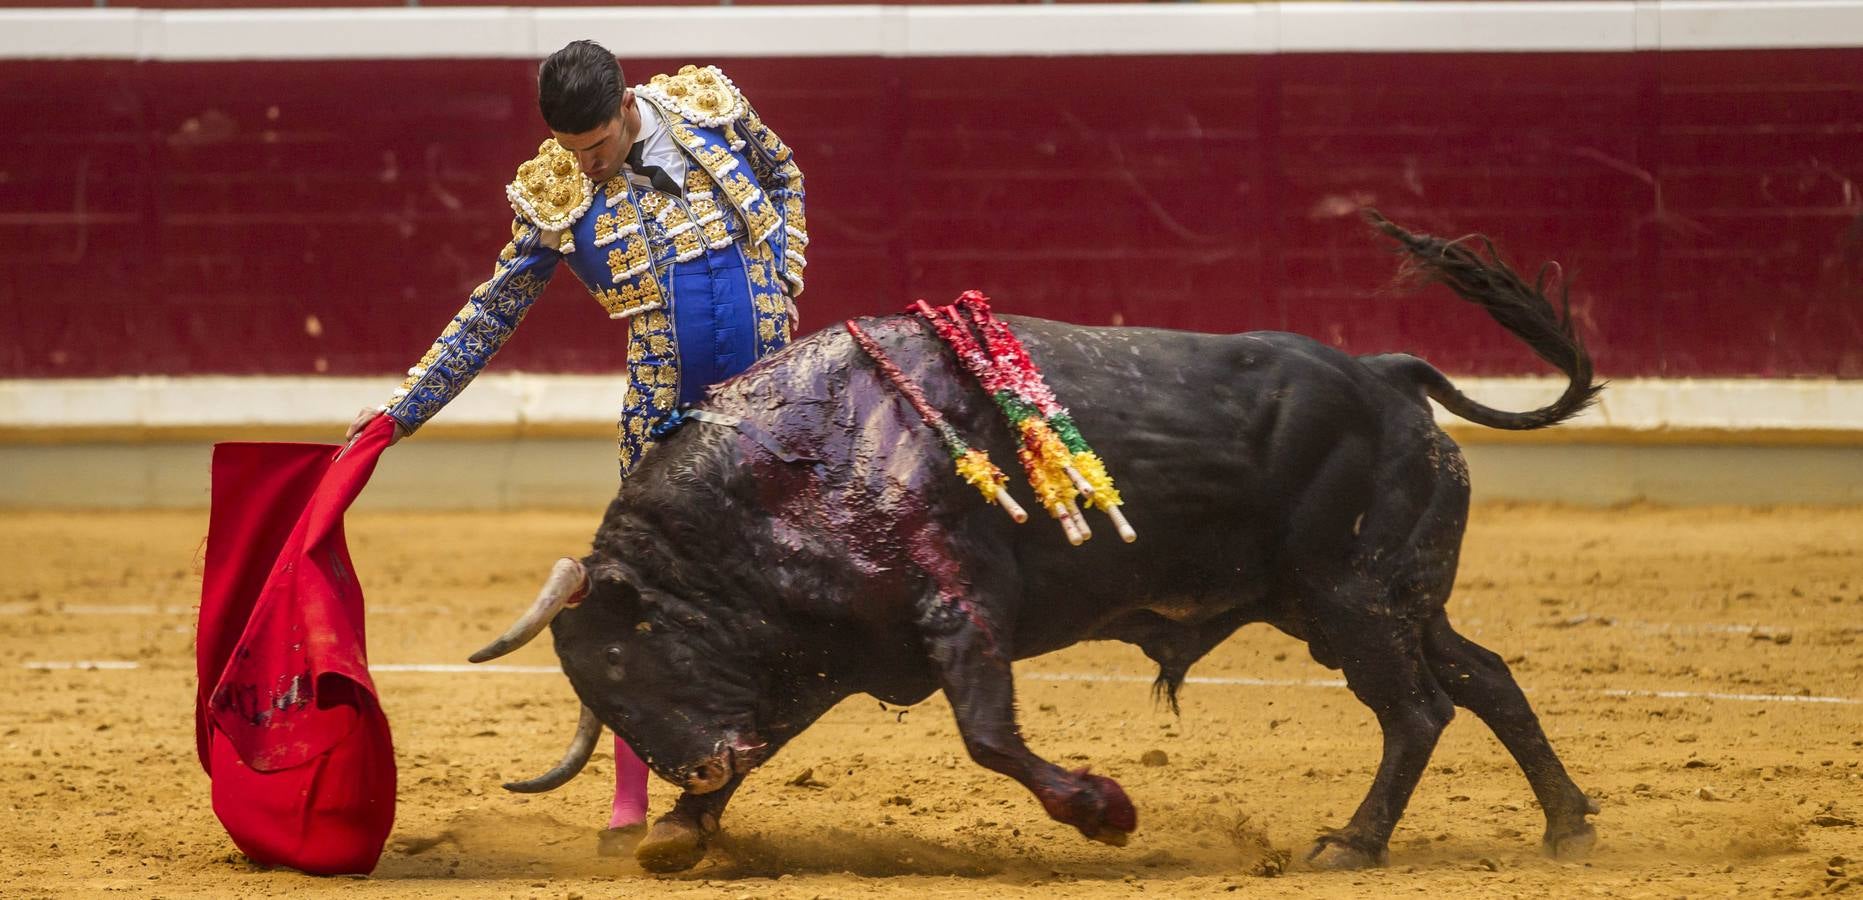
(656, 147)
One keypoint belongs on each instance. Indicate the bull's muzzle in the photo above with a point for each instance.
(734, 758)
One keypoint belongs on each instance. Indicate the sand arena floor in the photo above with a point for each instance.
(1744, 784)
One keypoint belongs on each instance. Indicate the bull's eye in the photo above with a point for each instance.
(614, 656)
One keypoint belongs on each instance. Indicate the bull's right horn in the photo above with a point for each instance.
(581, 747)
(568, 582)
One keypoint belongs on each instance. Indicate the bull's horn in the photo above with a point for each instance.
(568, 580)
(581, 747)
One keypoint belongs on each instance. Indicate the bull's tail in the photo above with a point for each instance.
(1519, 307)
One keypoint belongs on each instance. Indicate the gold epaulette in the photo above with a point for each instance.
(701, 95)
(550, 191)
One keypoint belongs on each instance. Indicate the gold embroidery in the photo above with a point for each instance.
(550, 191)
(762, 220)
(605, 227)
(796, 218)
(647, 324)
(714, 158)
(703, 95)
(628, 297)
(625, 261)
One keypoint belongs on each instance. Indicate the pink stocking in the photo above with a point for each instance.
(630, 788)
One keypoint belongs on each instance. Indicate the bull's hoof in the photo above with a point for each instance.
(1570, 842)
(670, 847)
(1332, 854)
(1100, 808)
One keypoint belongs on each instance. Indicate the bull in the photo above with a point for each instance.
(807, 541)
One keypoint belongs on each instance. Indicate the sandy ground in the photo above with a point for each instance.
(1750, 793)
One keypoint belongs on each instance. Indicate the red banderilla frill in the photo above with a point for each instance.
(973, 465)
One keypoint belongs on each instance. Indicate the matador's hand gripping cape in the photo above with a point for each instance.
(286, 719)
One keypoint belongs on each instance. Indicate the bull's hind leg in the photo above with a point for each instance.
(1479, 680)
(1381, 655)
(974, 670)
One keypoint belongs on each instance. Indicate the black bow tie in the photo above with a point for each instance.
(662, 182)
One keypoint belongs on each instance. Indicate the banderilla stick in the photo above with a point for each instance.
(954, 443)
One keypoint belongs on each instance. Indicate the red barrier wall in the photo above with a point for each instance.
(302, 217)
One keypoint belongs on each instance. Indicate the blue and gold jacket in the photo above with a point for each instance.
(742, 186)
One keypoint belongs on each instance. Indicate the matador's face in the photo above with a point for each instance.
(601, 150)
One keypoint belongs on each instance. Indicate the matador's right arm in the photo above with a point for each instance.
(550, 193)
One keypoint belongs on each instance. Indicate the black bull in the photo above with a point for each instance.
(808, 541)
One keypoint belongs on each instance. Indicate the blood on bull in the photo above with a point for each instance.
(808, 542)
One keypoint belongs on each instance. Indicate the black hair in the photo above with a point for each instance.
(579, 87)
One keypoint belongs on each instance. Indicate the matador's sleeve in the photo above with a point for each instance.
(550, 193)
(776, 169)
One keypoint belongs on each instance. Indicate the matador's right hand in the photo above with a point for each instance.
(362, 420)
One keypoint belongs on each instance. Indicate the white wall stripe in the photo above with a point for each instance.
(1332, 683)
(521, 399)
(1059, 29)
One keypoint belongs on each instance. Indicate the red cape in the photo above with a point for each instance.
(286, 719)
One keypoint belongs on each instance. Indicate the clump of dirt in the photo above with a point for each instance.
(1769, 836)
(839, 850)
(1259, 856)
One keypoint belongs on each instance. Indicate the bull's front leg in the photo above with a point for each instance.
(974, 670)
(677, 840)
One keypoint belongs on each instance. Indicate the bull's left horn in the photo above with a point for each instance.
(581, 747)
(568, 581)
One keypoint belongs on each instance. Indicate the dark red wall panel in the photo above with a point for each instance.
(305, 217)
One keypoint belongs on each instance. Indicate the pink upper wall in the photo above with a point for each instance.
(197, 217)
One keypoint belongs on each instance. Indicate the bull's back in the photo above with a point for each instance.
(1231, 452)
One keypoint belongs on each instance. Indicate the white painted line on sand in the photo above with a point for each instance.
(1746, 698)
(87, 665)
(1194, 679)
(466, 667)
(137, 609)
(456, 668)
